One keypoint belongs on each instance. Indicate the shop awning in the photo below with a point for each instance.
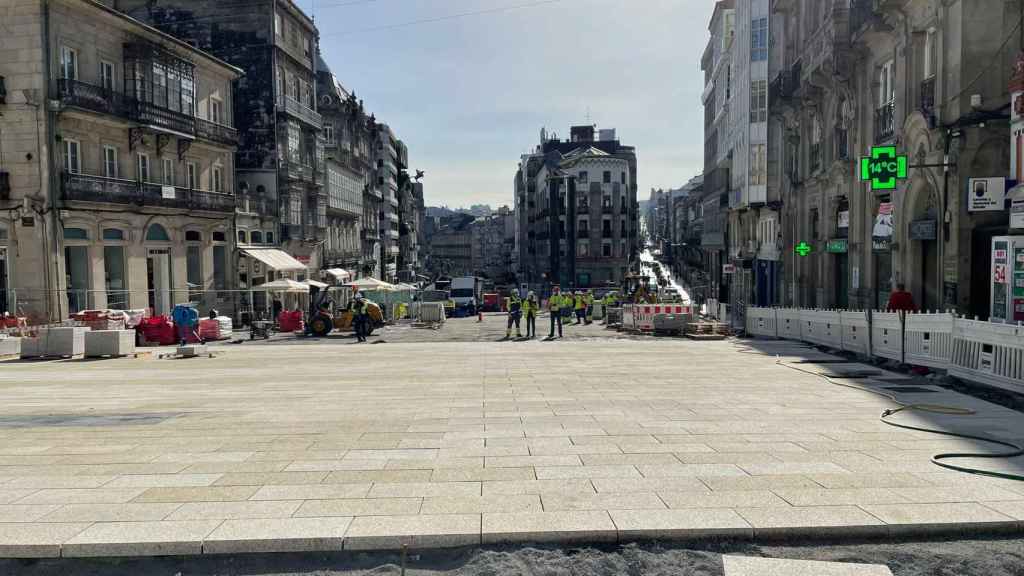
(275, 259)
(338, 274)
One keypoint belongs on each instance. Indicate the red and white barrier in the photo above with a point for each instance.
(643, 314)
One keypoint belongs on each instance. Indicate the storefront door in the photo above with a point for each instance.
(158, 271)
(76, 264)
(842, 286)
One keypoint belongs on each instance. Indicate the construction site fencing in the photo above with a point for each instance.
(985, 352)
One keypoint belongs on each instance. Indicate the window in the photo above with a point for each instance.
(278, 29)
(256, 237)
(622, 230)
(329, 133)
(76, 234)
(169, 171)
(929, 54)
(157, 233)
(188, 96)
(241, 237)
(142, 168)
(758, 165)
(622, 177)
(759, 101)
(606, 250)
(114, 276)
(159, 85)
(886, 86)
(107, 75)
(307, 47)
(607, 177)
(191, 175)
(582, 248)
(113, 234)
(72, 156)
(216, 111)
(270, 237)
(582, 178)
(219, 237)
(759, 40)
(193, 236)
(294, 139)
(220, 266)
(110, 169)
(194, 271)
(217, 179)
(68, 63)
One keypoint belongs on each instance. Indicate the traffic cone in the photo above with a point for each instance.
(480, 316)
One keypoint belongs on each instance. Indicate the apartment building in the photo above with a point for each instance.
(118, 164)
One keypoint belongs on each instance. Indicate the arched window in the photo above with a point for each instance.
(242, 237)
(113, 234)
(193, 236)
(76, 234)
(157, 233)
(219, 237)
(256, 237)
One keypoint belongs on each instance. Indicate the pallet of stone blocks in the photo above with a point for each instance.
(112, 343)
(55, 342)
(10, 348)
(708, 330)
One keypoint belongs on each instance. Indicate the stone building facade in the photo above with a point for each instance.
(280, 168)
(576, 203)
(927, 77)
(118, 146)
(346, 146)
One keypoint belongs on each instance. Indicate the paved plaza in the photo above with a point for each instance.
(270, 448)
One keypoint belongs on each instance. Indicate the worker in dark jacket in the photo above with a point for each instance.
(515, 312)
(360, 317)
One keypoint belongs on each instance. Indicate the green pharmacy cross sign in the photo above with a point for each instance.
(804, 249)
(883, 168)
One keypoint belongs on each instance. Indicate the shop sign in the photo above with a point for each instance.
(303, 259)
(924, 230)
(167, 192)
(728, 268)
(986, 194)
(881, 244)
(844, 219)
(1017, 213)
(837, 246)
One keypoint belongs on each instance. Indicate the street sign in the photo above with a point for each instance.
(986, 194)
(837, 246)
(883, 168)
(804, 249)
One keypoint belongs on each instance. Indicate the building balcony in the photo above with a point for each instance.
(885, 125)
(83, 95)
(216, 132)
(87, 188)
(583, 234)
(607, 234)
(928, 100)
(825, 52)
(607, 209)
(300, 111)
(299, 171)
(786, 84)
(256, 205)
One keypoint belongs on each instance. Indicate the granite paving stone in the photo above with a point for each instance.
(278, 535)
(420, 531)
(589, 526)
(680, 524)
(163, 538)
(360, 507)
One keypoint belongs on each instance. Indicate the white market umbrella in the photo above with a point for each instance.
(371, 284)
(314, 283)
(283, 285)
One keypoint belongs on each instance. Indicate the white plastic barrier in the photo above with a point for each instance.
(856, 332)
(989, 353)
(928, 340)
(628, 317)
(822, 327)
(788, 322)
(887, 335)
(598, 311)
(432, 312)
(644, 313)
(762, 322)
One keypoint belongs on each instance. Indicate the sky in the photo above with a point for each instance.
(469, 95)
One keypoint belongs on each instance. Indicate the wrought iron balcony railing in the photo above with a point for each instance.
(88, 188)
(885, 126)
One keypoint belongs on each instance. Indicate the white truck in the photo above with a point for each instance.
(467, 293)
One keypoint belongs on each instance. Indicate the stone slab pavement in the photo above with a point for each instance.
(270, 448)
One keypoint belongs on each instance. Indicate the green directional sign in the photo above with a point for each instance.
(804, 249)
(884, 168)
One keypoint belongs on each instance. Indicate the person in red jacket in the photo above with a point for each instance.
(901, 300)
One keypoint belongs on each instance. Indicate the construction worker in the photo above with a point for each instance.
(515, 312)
(360, 317)
(580, 305)
(588, 299)
(531, 308)
(555, 305)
